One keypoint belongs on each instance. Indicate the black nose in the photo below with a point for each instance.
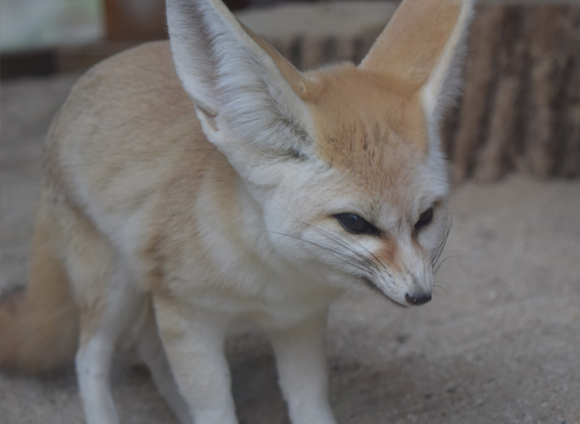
(416, 299)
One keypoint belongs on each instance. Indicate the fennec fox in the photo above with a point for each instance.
(191, 183)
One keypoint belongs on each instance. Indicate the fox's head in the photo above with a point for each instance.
(345, 162)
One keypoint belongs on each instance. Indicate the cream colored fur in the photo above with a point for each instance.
(177, 202)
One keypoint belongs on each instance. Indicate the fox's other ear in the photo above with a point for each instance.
(421, 49)
(241, 91)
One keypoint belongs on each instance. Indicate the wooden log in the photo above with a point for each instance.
(570, 126)
(135, 20)
(479, 88)
(498, 146)
(320, 33)
(528, 119)
(540, 150)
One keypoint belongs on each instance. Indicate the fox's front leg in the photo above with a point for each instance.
(194, 343)
(301, 358)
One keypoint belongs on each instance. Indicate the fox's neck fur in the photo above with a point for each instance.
(268, 288)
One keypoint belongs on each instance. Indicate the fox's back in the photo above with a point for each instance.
(125, 139)
(128, 116)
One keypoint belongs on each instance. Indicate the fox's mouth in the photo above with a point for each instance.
(370, 284)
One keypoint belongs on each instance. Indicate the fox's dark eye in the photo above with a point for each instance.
(425, 219)
(355, 224)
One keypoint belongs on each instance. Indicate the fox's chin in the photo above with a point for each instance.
(370, 284)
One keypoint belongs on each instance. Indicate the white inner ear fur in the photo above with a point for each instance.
(226, 72)
(444, 82)
(208, 117)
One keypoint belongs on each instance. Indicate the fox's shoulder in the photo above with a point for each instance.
(132, 101)
(137, 82)
(148, 62)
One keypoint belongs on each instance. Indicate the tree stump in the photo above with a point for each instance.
(520, 109)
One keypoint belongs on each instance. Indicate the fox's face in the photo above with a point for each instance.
(344, 162)
(364, 201)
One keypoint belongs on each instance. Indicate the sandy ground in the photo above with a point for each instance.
(499, 343)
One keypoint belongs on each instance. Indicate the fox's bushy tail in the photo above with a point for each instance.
(39, 327)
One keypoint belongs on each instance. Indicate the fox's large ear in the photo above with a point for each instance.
(245, 95)
(421, 49)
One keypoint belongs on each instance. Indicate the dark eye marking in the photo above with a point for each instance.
(425, 219)
(296, 154)
(355, 224)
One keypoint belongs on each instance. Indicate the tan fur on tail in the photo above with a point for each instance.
(39, 328)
